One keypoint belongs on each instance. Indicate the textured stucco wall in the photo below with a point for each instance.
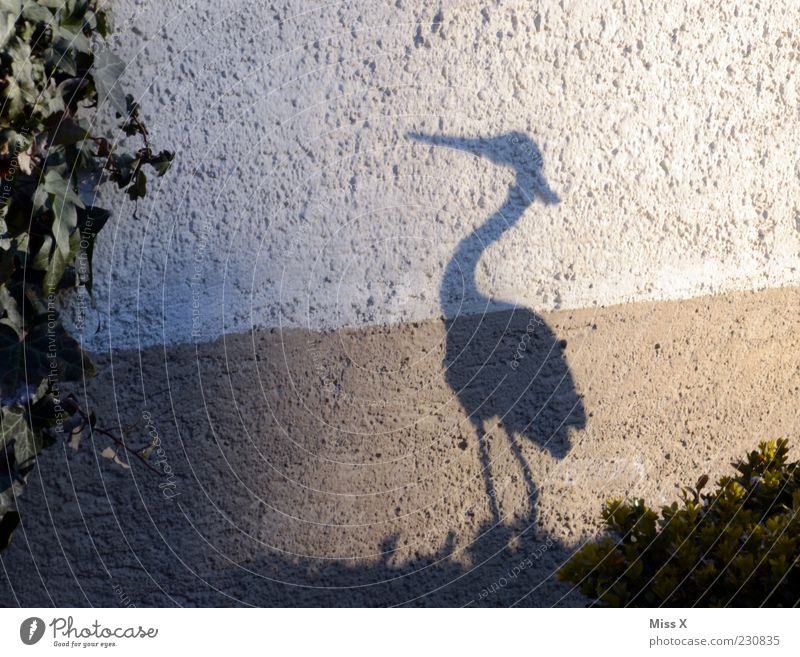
(669, 133)
(339, 469)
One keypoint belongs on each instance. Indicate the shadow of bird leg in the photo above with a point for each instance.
(487, 471)
(527, 475)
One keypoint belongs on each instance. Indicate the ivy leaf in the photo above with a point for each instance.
(91, 223)
(8, 21)
(34, 11)
(13, 426)
(139, 187)
(8, 306)
(105, 23)
(71, 90)
(12, 362)
(69, 132)
(125, 166)
(113, 455)
(47, 350)
(11, 6)
(17, 217)
(60, 57)
(64, 222)
(58, 263)
(65, 215)
(41, 259)
(106, 72)
(7, 265)
(72, 364)
(50, 101)
(77, 40)
(54, 183)
(15, 99)
(16, 430)
(162, 162)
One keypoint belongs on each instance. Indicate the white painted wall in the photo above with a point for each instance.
(670, 135)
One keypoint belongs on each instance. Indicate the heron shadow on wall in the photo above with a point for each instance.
(502, 360)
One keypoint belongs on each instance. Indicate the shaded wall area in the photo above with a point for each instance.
(338, 468)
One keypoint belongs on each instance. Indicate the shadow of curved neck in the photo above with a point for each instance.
(459, 293)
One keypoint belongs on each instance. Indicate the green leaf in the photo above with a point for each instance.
(65, 215)
(76, 39)
(8, 22)
(8, 306)
(105, 22)
(12, 361)
(92, 221)
(13, 426)
(35, 12)
(57, 346)
(106, 72)
(15, 98)
(69, 132)
(7, 265)
(54, 183)
(58, 264)
(162, 162)
(15, 429)
(47, 350)
(11, 6)
(41, 260)
(64, 223)
(139, 187)
(61, 57)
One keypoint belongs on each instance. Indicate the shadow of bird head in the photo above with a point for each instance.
(515, 150)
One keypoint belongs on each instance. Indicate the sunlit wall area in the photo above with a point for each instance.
(298, 199)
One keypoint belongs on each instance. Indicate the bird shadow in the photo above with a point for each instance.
(502, 361)
(509, 372)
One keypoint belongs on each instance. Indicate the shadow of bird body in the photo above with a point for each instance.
(505, 365)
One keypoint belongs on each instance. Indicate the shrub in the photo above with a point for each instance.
(56, 80)
(738, 546)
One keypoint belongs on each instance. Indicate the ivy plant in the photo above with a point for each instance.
(738, 545)
(59, 81)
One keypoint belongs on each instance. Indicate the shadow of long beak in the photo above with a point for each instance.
(472, 145)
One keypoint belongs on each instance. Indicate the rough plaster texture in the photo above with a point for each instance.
(668, 130)
(340, 468)
(330, 456)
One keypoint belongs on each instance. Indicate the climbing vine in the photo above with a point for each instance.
(58, 80)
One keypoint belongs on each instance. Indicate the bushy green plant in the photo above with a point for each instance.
(57, 77)
(738, 545)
